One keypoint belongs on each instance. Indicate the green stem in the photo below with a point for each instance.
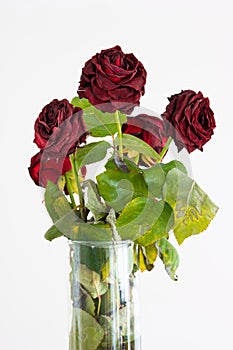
(117, 119)
(99, 305)
(69, 189)
(98, 296)
(165, 148)
(80, 193)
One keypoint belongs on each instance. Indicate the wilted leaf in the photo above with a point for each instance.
(127, 321)
(91, 281)
(105, 271)
(93, 202)
(86, 332)
(108, 304)
(134, 143)
(137, 217)
(80, 297)
(109, 332)
(143, 262)
(193, 209)
(162, 225)
(151, 253)
(169, 256)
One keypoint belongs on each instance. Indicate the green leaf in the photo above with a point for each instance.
(111, 165)
(193, 209)
(155, 176)
(91, 281)
(134, 143)
(161, 227)
(169, 256)
(138, 216)
(174, 164)
(79, 231)
(86, 332)
(99, 232)
(98, 123)
(93, 203)
(118, 188)
(55, 202)
(52, 233)
(80, 102)
(60, 211)
(68, 223)
(91, 153)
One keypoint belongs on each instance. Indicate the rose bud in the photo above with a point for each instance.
(112, 80)
(42, 170)
(59, 128)
(190, 121)
(148, 128)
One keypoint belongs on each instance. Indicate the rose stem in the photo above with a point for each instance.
(98, 296)
(69, 189)
(80, 193)
(119, 134)
(165, 148)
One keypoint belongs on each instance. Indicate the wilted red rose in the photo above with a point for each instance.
(190, 120)
(113, 80)
(148, 128)
(59, 128)
(42, 171)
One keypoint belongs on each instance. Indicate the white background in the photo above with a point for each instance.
(183, 45)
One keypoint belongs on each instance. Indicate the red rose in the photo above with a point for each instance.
(42, 170)
(59, 128)
(191, 121)
(113, 80)
(148, 128)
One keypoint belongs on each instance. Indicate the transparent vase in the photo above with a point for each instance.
(104, 296)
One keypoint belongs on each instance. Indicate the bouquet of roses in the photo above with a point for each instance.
(135, 195)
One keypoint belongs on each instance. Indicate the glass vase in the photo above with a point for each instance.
(104, 296)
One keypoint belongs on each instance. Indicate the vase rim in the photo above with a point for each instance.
(104, 244)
